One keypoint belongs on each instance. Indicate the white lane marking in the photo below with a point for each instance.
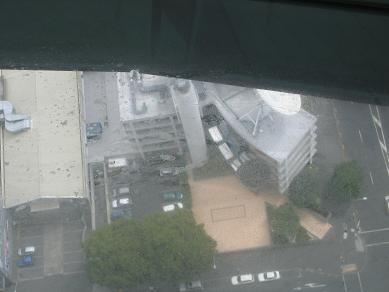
(371, 178)
(360, 136)
(344, 283)
(360, 282)
(377, 244)
(375, 230)
(378, 124)
(314, 285)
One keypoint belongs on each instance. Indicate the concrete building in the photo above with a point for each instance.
(158, 116)
(285, 140)
(43, 163)
(150, 108)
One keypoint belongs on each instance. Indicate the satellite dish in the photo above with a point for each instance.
(282, 102)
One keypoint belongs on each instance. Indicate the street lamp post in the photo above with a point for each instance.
(214, 262)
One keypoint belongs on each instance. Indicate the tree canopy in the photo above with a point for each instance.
(304, 190)
(256, 174)
(346, 181)
(285, 224)
(164, 247)
(179, 249)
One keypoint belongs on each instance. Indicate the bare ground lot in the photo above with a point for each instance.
(234, 216)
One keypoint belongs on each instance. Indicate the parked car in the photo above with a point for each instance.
(28, 250)
(117, 214)
(122, 202)
(242, 279)
(172, 207)
(168, 171)
(387, 204)
(269, 276)
(122, 197)
(173, 196)
(121, 190)
(191, 286)
(25, 261)
(94, 130)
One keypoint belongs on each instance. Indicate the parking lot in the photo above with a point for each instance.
(146, 186)
(57, 245)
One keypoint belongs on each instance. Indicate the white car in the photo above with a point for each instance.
(172, 207)
(242, 279)
(121, 202)
(268, 276)
(28, 250)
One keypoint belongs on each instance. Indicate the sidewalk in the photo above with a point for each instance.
(313, 224)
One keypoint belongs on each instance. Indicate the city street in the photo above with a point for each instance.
(362, 130)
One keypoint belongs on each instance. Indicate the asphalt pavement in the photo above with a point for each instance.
(58, 251)
(361, 142)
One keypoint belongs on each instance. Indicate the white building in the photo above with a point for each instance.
(281, 133)
(44, 163)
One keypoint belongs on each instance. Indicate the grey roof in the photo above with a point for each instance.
(154, 101)
(276, 135)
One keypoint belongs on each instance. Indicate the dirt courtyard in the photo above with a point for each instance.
(232, 215)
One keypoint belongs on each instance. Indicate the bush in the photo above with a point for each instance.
(346, 182)
(285, 225)
(304, 192)
(302, 235)
(256, 174)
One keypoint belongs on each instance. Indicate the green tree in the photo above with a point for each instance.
(304, 189)
(285, 224)
(164, 247)
(178, 248)
(346, 181)
(256, 174)
(115, 255)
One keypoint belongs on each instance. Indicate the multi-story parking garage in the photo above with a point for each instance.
(282, 134)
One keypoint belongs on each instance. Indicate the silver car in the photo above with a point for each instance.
(269, 276)
(242, 279)
(191, 286)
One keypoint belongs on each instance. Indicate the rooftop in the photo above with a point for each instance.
(271, 132)
(46, 160)
(153, 102)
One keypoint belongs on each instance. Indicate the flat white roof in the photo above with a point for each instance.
(276, 135)
(46, 160)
